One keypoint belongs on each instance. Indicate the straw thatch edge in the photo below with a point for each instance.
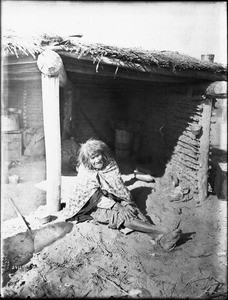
(13, 44)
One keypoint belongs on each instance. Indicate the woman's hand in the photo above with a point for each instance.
(127, 212)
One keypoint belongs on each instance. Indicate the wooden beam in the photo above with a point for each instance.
(67, 110)
(50, 64)
(212, 90)
(20, 71)
(217, 89)
(50, 96)
(152, 73)
(87, 67)
(204, 150)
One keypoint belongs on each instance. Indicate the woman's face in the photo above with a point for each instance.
(97, 161)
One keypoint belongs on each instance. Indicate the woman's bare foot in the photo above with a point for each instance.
(168, 240)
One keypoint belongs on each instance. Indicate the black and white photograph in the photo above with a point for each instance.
(114, 149)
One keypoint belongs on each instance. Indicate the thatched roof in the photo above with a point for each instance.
(133, 58)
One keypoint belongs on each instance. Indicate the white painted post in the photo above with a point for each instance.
(50, 95)
(53, 74)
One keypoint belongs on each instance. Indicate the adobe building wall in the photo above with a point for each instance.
(27, 97)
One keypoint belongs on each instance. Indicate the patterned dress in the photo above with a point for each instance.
(88, 182)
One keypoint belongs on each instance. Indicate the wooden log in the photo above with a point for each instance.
(183, 139)
(180, 114)
(68, 101)
(184, 157)
(192, 148)
(217, 89)
(185, 172)
(174, 120)
(182, 160)
(131, 69)
(182, 149)
(186, 108)
(188, 157)
(184, 100)
(50, 96)
(189, 111)
(176, 131)
(87, 66)
(204, 150)
(188, 152)
(51, 65)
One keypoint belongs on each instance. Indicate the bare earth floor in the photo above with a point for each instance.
(61, 259)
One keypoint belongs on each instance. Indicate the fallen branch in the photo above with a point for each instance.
(204, 292)
(192, 279)
(113, 283)
(173, 289)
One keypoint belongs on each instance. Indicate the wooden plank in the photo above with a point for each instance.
(80, 66)
(68, 101)
(12, 59)
(204, 150)
(151, 72)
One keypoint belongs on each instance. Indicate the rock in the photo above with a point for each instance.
(139, 293)
(177, 194)
(14, 179)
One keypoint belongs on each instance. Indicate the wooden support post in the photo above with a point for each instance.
(204, 150)
(50, 64)
(68, 101)
(50, 95)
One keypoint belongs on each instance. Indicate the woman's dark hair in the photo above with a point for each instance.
(93, 147)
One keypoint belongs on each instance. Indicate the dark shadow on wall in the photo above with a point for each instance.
(218, 173)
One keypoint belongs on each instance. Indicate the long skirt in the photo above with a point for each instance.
(112, 217)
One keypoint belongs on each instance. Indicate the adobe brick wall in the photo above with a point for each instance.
(26, 96)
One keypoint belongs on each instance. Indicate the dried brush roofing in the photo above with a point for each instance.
(16, 45)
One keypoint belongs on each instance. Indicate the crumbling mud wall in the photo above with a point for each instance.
(184, 141)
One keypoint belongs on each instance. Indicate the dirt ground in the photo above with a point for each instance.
(59, 259)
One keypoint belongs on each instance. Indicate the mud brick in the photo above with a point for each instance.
(12, 144)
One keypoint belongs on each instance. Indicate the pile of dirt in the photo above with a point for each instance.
(92, 260)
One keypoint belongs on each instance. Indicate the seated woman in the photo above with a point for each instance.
(101, 194)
